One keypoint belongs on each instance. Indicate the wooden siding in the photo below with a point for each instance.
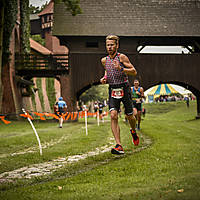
(86, 69)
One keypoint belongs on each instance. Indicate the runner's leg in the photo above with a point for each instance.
(61, 122)
(115, 126)
(139, 118)
(132, 121)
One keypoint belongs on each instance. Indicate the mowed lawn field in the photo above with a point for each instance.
(166, 164)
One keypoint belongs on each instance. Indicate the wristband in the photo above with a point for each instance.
(122, 69)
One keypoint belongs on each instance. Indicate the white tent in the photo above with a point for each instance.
(181, 90)
(164, 89)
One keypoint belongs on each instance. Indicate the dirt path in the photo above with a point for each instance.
(47, 168)
(51, 166)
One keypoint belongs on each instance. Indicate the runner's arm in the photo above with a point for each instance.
(142, 93)
(130, 69)
(103, 79)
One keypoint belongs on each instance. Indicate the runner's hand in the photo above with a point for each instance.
(103, 80)
(137, 92)
(116, 65)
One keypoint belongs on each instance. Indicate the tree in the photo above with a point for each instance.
(34, 9)
(1, 43)
(38, 39)
(8, 16)
(95, 93)
(71, 5)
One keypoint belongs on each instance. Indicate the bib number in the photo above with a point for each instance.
(117, 93)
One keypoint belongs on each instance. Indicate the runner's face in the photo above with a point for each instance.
(111, 47)
(136, 84)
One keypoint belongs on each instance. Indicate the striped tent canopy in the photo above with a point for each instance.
(156, 91)
(162, 89)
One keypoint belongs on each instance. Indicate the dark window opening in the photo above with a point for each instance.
(92, 44)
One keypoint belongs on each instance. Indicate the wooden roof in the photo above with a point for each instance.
(130, 18)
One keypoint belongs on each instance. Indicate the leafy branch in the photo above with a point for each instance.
(71, 5)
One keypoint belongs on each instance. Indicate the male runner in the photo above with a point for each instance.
(137, 95)
(101, 111)
(61, 107)
(96, 107)
(117, 68)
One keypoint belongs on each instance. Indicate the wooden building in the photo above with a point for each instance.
(138, 23)
(42, 24)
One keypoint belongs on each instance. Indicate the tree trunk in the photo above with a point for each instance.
(1, 49)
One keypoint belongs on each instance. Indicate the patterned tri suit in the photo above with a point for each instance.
(119, 89)
(136, 98)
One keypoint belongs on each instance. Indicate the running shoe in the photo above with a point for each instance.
(135, 137)
(117, 149)
(138, 127)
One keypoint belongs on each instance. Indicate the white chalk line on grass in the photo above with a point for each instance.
(47, 168)
(35, 149)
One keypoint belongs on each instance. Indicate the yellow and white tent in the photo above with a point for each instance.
(162, 89)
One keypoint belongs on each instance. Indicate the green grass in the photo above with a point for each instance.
(51, 91)
(170, 163)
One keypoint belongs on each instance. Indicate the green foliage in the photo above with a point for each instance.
(71, 5)
(38, 39)
(40, 93)
(50, 89)
(33, 101)
(51, 93)
(99, 92)
(34, 9)
(10, 16)
(25, 26)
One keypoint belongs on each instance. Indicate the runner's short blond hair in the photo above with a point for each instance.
(113, 37)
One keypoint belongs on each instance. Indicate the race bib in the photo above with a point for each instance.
(117, 93)
(138, 100)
